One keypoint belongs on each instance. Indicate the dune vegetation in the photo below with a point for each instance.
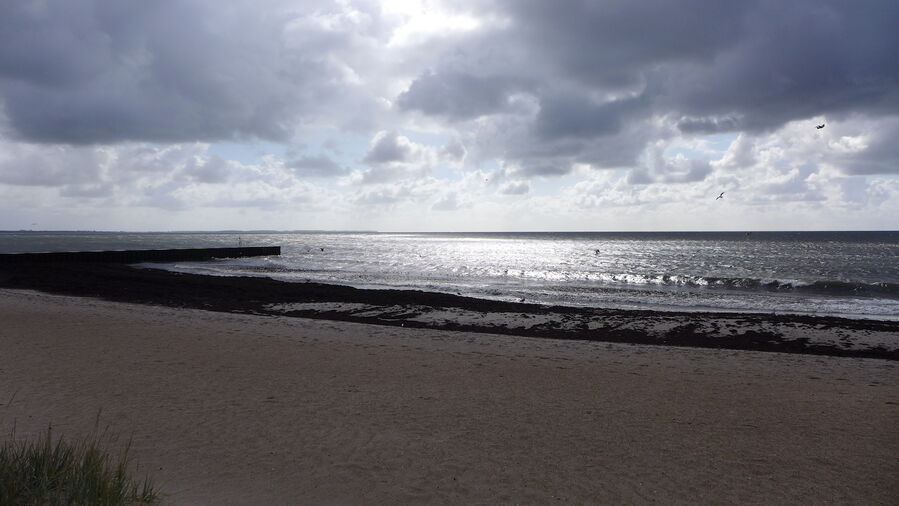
(49, 471)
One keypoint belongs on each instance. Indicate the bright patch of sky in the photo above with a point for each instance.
(420, 20)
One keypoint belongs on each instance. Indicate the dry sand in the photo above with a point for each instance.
(239, 409)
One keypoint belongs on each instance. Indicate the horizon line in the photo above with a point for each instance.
(363, 231)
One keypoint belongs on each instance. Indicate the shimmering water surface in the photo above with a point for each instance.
(852, 274)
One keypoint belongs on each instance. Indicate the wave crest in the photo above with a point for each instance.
(831, 287)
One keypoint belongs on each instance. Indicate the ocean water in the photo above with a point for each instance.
(851, 274)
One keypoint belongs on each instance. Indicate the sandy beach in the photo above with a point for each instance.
(449, 252)
(230, 408)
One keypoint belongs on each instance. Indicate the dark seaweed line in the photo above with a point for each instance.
(122, 283)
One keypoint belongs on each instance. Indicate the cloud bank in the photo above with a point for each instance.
(455, 108)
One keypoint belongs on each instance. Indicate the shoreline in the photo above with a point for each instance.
(231, 408)
(815, 335)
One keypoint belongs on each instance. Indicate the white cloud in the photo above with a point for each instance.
(391, 148)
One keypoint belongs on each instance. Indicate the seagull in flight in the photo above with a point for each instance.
(720, 196)
(819, 127)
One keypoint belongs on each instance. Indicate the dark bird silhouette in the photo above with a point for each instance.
(720, 196)
(819, 127)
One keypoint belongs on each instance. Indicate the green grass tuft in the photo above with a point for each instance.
(48, 472)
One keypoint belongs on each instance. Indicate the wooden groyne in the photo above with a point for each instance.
(141, 255)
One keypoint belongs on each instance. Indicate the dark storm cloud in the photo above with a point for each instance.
(567, 116)
(600, 70)
(538, 155)
(457, 95)
(52, 49)
(613, 42)
(725, 66)
(82, 71)
(796, 60)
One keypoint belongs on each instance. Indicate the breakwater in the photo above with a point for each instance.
(145, 255)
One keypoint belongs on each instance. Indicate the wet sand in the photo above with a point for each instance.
(409, 308)
(227, 408)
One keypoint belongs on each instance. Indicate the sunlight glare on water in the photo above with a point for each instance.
(835, 273)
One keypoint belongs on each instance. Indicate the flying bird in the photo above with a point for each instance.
(720, 196)
(819, 127)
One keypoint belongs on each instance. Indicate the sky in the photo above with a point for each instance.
(483, 115)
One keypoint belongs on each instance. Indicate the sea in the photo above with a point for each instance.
(847, 274)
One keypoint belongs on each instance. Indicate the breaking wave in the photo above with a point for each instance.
(827, 287)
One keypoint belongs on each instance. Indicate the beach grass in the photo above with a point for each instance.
(50, 472)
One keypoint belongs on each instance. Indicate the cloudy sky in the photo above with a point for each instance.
(449, 115)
